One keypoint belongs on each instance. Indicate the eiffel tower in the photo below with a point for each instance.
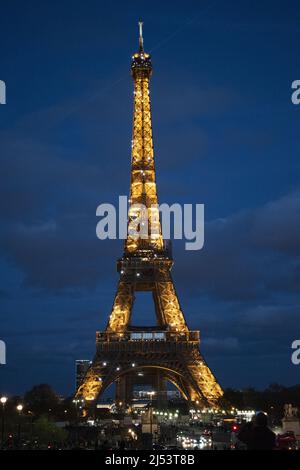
(168, 352)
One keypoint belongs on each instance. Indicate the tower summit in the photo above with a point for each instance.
(143, 184)
(167, 352)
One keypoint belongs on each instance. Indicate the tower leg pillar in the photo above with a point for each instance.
(124, 389)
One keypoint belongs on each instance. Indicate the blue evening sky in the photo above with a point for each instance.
(226, 134)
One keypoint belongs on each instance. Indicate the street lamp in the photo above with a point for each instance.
(3, 400)
(151, 412)
(77, 403)
(19, 409)
(31, 426)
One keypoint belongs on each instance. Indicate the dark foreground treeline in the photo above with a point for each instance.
(271, 400)
(36, 424)
(43, 400)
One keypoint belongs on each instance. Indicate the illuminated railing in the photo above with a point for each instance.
(133, 340)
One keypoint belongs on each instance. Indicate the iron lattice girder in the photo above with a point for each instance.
(143, 184)
(180, 361)
(146, 266)
(146, 274)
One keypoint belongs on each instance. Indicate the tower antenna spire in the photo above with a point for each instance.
(141, 40)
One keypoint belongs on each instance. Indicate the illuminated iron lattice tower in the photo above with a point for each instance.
(128, 355)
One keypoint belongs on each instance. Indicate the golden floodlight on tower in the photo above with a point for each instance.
(167, 352)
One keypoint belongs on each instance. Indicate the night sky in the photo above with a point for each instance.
(226, 134)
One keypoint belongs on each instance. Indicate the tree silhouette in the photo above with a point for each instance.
(41, 399)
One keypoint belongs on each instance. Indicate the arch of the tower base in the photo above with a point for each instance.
(171, 375)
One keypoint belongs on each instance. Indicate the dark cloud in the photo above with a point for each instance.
(57, 255)
(276, 226)
(247, 254)
(239, 259)
(219, 345)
